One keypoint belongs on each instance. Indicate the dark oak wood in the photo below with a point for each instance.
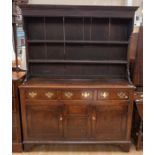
(137, 123)
(136, 59)
(80, 61)
(76, 113)
(73, 11)
(17, 78)
(138, 65)
(77, 42)
(78, 88)
(103, 35)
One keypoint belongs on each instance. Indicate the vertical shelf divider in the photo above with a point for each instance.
(45, 44)
(83, 28)
(64, 34)
(109, 29)
(91, 28)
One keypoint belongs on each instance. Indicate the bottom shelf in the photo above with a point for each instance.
(79, 71)
(43, 81)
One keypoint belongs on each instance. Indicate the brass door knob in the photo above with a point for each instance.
(61, 118)
(93, 118)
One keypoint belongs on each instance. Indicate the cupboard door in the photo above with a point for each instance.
(109, 122)
(44, 122)
(77, 121)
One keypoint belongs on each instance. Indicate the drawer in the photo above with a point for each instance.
(112, 94)
(77, 95)
(14, 109)
(42, 94)
(80, 109)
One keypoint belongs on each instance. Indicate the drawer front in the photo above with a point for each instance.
(78, 108)
(112, 94)
(77, 95)
(42, 94)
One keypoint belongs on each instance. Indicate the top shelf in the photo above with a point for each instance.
(78, 42)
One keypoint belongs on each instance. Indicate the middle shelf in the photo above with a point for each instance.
(79, 61)
(78, 42)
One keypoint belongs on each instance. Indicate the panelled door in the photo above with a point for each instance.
(77, 123)
(109, 122)
(44, 120)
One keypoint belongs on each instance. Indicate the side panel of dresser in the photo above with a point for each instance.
(73, 117)
(16, 122)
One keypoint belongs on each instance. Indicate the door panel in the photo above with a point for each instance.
(77, 121)
(44, 122)
(109, 122)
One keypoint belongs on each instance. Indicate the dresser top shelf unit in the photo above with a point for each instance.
(78, 42)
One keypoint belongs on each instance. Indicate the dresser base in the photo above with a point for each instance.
(124, 145)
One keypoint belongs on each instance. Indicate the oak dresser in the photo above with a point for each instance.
(77, 89)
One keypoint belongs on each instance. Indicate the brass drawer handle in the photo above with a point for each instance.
(32, 94)
(122, 95)
(49, 94)
(68, 94)
(104, 94)
(85, 94)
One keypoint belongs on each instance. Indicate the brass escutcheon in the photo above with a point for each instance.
(86, 94)
(104, 94)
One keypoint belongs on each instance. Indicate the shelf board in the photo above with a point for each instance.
(80, 61)
(78, 42)
(95, 42)
(45, 41)
(85, 78)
